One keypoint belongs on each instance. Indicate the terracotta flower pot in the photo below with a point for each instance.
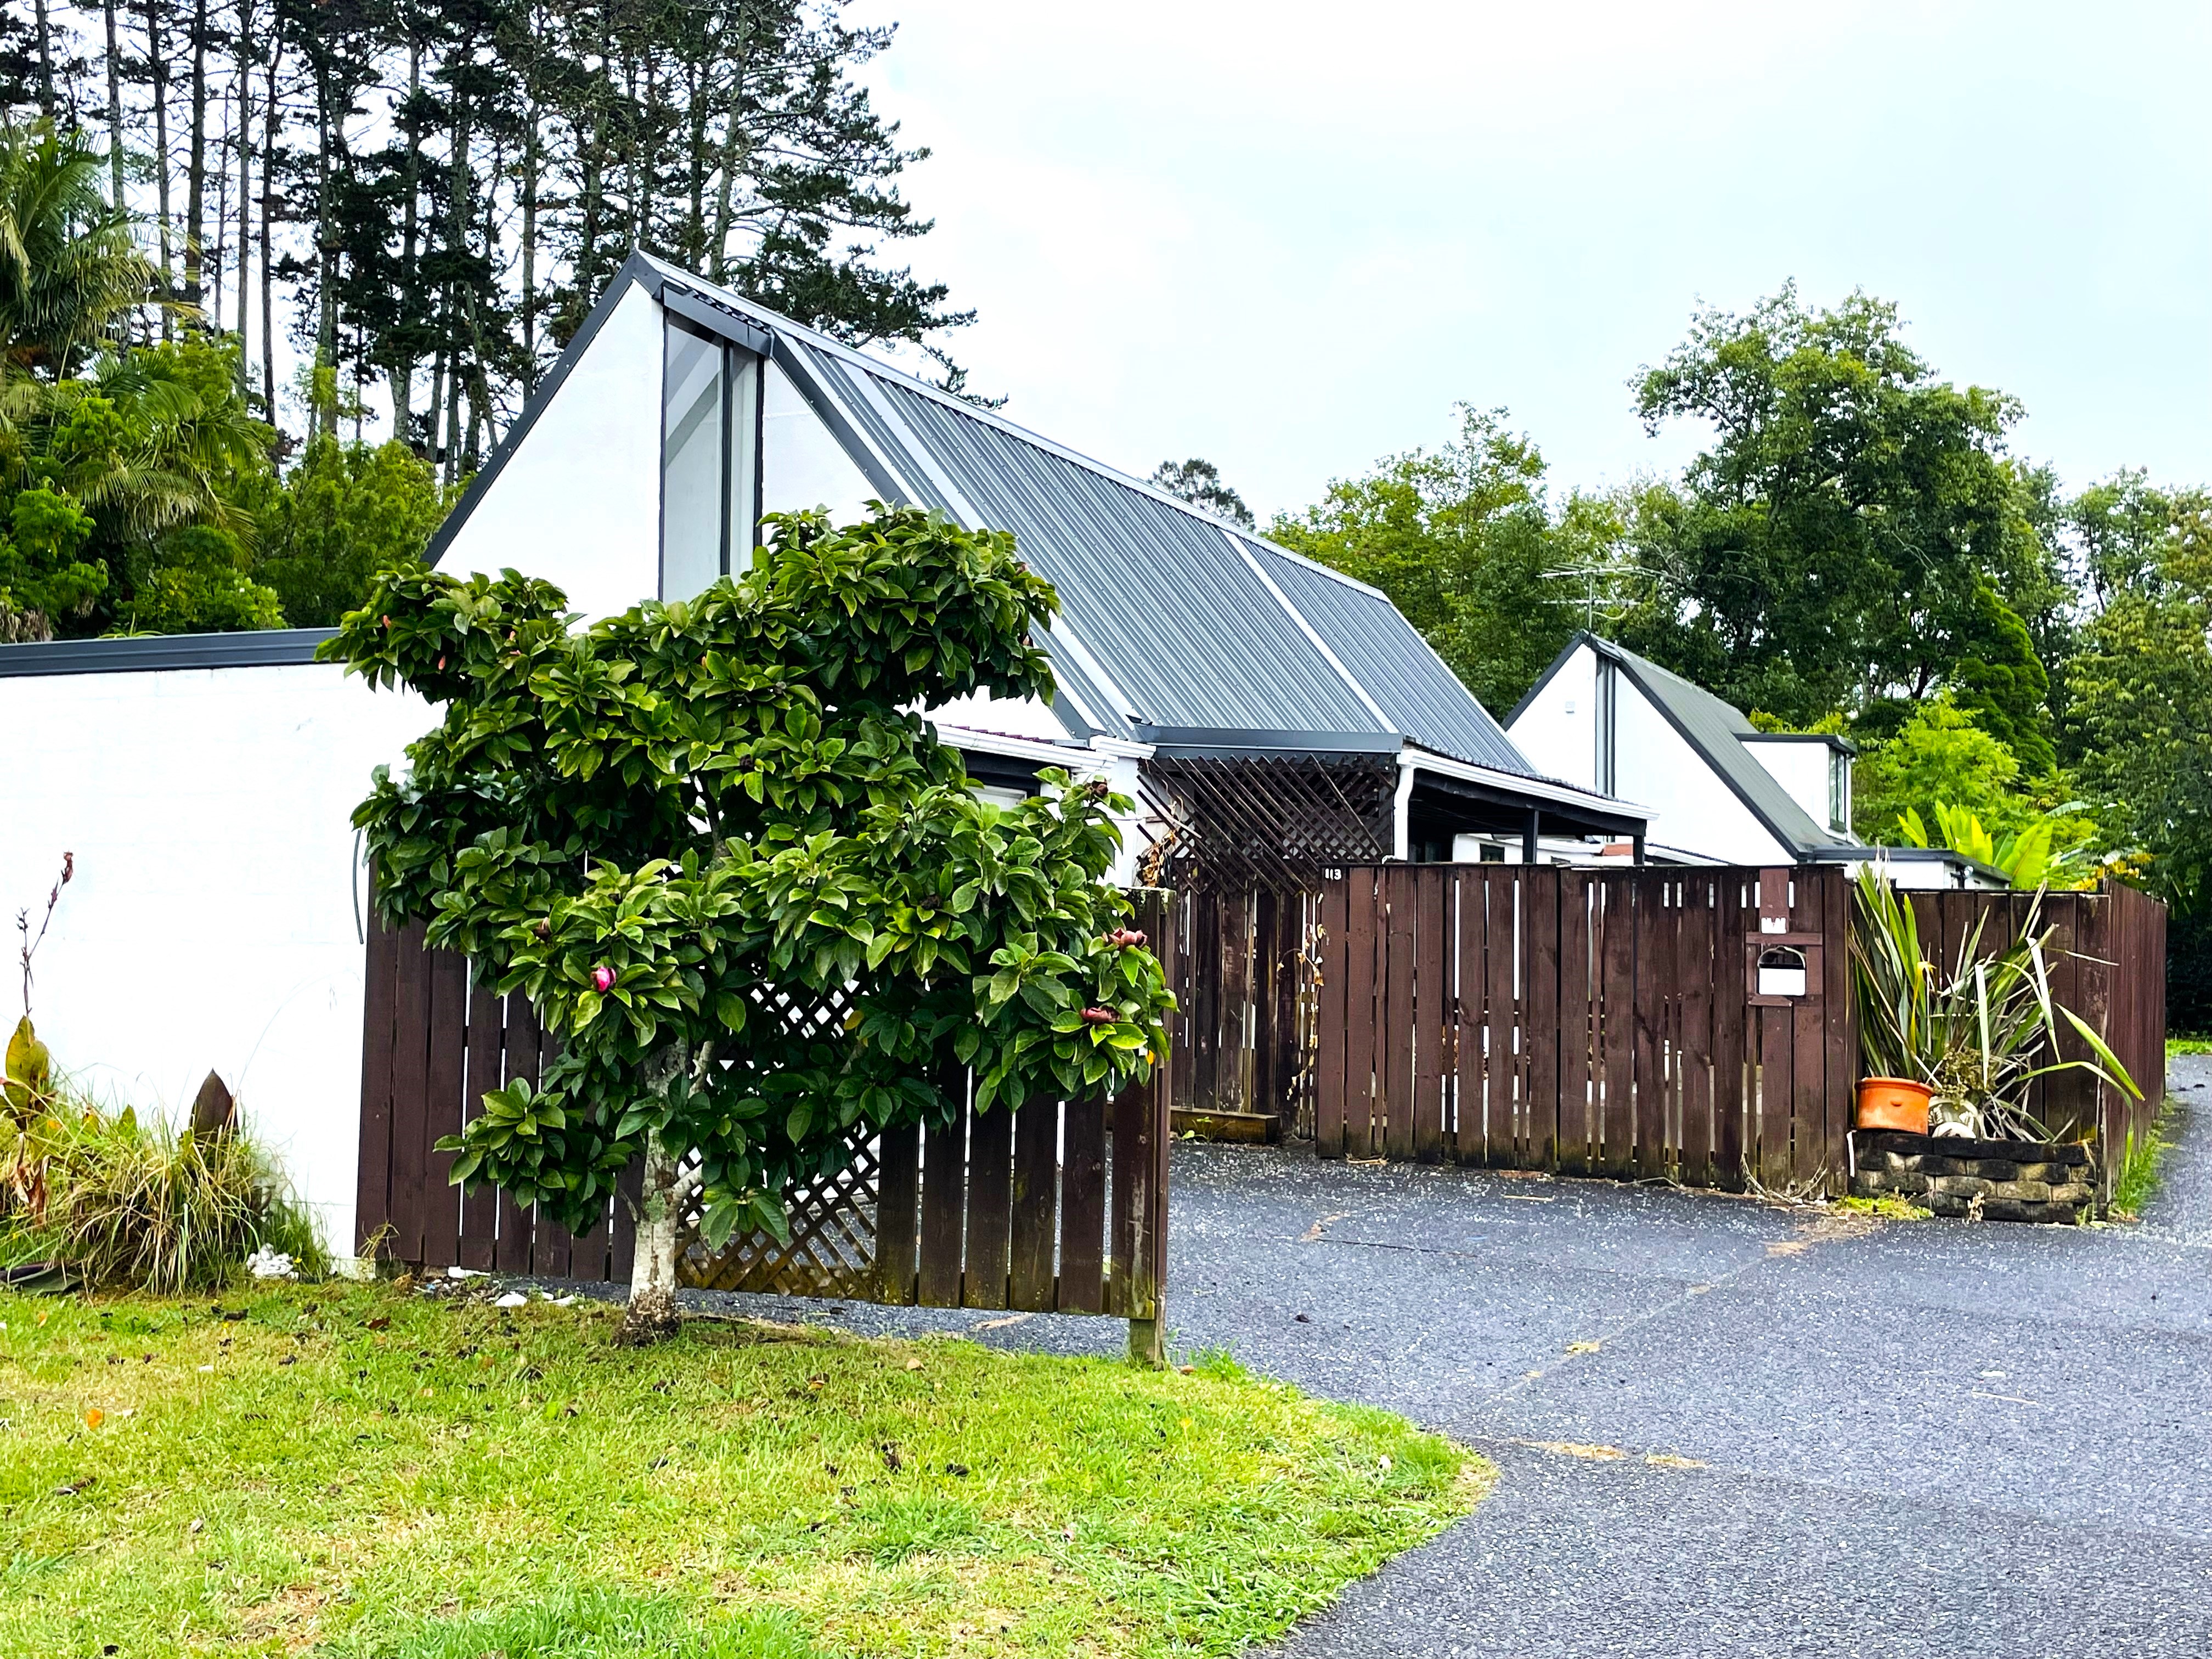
(1894, 1102)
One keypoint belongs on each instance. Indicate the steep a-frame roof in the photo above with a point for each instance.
(1171, 618)
(1717, 730)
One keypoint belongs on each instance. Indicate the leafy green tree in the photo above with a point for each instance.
(1854, 532)
(344, 512)
(42, 573)
(688, 832)
(1940, 758)
(71, 269)
(1198, 482)
(197, 582)
(2141, 686)
(1462, 541)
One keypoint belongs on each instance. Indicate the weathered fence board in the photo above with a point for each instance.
(1059, 1206)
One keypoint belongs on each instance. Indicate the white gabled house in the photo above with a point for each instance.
(1271, 715)
(1719, 790)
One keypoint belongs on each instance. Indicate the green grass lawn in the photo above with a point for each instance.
(352, 1470)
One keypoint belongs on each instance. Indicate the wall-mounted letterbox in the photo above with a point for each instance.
(1782, 970)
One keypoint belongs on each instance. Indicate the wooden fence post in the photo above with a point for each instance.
(1142, 1119)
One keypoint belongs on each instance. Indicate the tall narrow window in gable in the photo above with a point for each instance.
(1607, 771)
(709, 473)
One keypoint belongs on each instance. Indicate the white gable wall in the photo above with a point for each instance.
(215, 919)
(1692, 806)
(1799, 767)
(802, 464)
(1558, 731)
(578, 501)
(1693, 809)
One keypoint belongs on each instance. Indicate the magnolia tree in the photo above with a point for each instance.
(740, 877)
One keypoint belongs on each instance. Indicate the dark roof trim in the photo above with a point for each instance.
(634, 269)
(1195, 742)
(1546, 677)
(1843, 746)
(263, 648)
(738, 331)
(1556, 815)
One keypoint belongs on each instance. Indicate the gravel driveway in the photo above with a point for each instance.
(1726, 1429)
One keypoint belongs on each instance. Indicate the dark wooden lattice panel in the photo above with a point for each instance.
(1241, 825)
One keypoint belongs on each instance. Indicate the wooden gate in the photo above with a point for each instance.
(1056, 1206)
(1614, 1022)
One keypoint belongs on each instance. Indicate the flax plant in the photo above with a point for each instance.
(1974, 1034)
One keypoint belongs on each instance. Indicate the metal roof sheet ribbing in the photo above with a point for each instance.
(1387, 656)
(1161, 596)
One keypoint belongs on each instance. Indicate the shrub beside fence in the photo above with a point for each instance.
(1055, 1206)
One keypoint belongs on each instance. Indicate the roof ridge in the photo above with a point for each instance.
(718, 295)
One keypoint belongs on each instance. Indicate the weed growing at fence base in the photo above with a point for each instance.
(1887, 1205)
(2188, 1045)
(350, 1470)
(2137, 1178)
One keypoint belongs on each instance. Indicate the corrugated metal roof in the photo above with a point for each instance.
(1169, 616)
(1186, 629)
(1419, 695)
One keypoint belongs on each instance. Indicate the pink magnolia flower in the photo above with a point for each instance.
(604, 977)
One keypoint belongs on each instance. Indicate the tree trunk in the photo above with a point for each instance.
(652, 1316)
(667, 1186)
(270, 113)
(325, 418)
(196, 162)
(403, 361)
(157, 69)
(114, 103)
(46, 63)
(530, 247)
(214, 253)
(245, 176)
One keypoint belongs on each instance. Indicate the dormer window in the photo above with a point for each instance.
(709, 459)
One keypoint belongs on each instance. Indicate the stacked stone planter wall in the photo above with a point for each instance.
(1991, 1180)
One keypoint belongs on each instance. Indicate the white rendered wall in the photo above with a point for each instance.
(1013, 717)
(802, 464)
(1557, 731)
(1799, 767)
(212, 922)
(1693, 807)
(578, 502)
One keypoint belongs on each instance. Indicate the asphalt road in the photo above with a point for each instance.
(1930, 1438)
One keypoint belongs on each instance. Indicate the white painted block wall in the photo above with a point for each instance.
(213, 923)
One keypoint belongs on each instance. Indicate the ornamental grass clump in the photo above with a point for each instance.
(1977, 1034)
(115, 1201)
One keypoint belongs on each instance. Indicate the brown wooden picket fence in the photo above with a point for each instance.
(1603, 1022)
(1055, 1206)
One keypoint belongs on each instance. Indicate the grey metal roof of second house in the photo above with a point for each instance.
(1716, 730)
(1170, 617)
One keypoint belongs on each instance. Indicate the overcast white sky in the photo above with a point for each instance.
(1288, 237)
